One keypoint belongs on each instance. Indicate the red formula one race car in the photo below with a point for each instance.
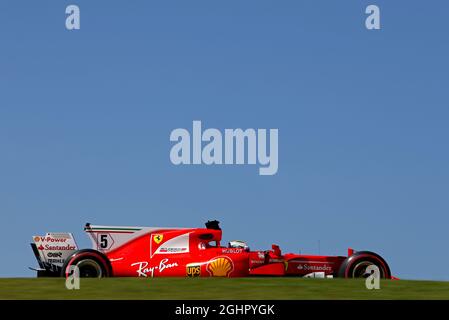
(186, 252)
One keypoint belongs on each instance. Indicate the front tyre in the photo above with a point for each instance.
(90, 263)
(356, 265)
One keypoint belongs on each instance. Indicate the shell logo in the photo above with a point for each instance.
(220, 267)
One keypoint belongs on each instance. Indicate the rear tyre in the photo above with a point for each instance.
(90, 263)
(356, 265)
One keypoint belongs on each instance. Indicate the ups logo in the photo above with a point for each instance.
(193, 270)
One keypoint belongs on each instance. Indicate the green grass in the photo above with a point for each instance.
(219, 288)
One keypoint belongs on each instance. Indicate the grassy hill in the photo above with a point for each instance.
(219, 288)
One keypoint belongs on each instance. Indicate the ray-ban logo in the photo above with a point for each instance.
(234, 146)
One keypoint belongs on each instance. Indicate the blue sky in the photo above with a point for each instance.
(85, 120)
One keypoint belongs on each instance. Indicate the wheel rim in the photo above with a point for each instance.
(89, 268)
(359, 271)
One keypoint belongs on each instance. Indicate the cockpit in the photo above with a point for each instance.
(212, 239)
(239, 244)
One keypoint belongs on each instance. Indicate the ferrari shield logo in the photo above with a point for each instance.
(158, 238)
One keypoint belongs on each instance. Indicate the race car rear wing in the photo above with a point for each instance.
(51, 251)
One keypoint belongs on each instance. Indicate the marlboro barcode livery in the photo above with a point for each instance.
(186, 252)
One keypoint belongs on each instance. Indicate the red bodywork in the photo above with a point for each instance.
(197, 252)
